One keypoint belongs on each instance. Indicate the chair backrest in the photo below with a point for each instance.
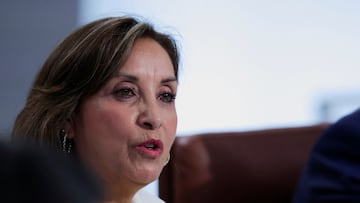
(247, 167)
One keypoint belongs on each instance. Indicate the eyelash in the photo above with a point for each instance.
(126, 93)
(170, 97)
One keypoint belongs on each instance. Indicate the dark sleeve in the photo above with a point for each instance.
(332, 173)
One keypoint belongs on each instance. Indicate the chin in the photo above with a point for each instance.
(148, 175)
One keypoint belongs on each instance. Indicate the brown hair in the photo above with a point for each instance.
(78, 67)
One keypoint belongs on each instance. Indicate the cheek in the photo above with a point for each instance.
(98, 124)
(101, 135)
(172, 125)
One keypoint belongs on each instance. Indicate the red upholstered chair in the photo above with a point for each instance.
(260, 166)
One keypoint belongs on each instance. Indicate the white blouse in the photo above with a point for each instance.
(143, 196)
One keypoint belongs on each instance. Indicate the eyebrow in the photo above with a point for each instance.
(133, 78)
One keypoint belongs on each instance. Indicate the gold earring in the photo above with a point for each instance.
(167, 160)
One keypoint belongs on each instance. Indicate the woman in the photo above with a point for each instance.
(106, 94)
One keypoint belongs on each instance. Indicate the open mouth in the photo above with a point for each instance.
(150, 148)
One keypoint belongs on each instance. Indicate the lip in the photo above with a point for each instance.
(151, 148)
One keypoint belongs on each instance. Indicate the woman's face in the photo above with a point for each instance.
(126, 129)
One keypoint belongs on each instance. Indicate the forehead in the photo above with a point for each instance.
(148, 56)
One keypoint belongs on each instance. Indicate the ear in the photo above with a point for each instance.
(69, 128)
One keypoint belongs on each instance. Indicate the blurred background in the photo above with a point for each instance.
(245, 64)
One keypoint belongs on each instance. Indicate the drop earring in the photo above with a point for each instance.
(167, 160)
(66, 143)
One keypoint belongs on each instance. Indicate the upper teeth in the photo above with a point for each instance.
(150, 146)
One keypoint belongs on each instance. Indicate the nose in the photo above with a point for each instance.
(149, 117)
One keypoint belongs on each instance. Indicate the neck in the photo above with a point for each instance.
(120, 192)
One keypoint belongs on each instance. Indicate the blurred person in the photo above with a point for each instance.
(106, 95)
(332, 173)
(32, 174)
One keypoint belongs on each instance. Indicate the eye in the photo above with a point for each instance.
(167, 97)
(124, 93)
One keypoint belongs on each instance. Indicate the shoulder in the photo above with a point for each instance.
(345, 133)
(332, 172)
(349, 123)
(337, 151)
(60, 178)
(145, 197)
